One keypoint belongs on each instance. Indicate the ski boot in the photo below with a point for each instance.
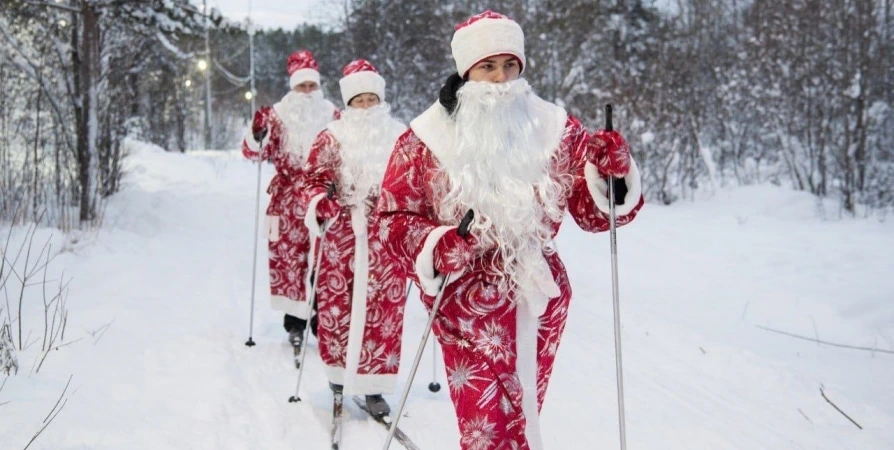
(378, 407)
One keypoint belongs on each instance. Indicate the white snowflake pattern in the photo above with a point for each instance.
(336, 349)
(384, 229)
(461, 377)
(389, 326)
(392, 360)
(335, 311)
(493, 341)
(413, 204)
(478, 434)
(466, 326)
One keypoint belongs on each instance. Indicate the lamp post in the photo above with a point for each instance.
(203, 67)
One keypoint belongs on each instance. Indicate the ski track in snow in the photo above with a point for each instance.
(171, 271)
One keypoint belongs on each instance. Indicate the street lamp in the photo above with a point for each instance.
(249, 95)
(203, 65)
(187, 83)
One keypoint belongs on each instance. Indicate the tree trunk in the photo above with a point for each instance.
(87, 73)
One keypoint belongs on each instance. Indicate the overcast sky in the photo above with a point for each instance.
(275, 13)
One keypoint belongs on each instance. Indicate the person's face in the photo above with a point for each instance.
(364, 101)
(307, 87)
(496, 69)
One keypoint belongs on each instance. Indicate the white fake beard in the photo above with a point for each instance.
(304, 117)
(500, 170)
(367, 137)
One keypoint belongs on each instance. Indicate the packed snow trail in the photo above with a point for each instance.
(170, 270)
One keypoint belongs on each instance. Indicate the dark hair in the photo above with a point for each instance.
(358, 95)
(447, 96)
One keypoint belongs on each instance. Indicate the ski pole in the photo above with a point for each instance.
(313, 299)
(462, 231)
(254, 263)
(615, 296)
(434, 386)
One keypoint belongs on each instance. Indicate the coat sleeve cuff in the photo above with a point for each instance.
(598, 188)
(425, 262)
(250, 141)
(310, 219)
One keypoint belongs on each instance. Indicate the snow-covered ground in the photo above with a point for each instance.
(170, 272)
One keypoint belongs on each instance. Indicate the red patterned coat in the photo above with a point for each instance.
(499, 350)
(361, 291)
(288, 240)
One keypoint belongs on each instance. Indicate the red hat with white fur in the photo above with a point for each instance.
(484, 35)
(361, 77)
(302, 67)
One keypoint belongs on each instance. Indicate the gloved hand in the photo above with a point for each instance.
(259, 123)
(447, 96)
(453, 252)
(609, 152)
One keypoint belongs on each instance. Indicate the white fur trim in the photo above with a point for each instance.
(487, 37)
(250, 141)
(302, 75)
(598, 188)
(357, 328)
(437, 130)
(540, 288)
(310, 218)
(312, 266)
(360, 83)
(526, 325)
(297, 308)
(366, 384)
(273, 228)
(425, 262)
(371, 384)
(309, 288)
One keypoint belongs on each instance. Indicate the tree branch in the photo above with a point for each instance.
(839, 409)
(56, 6)
(52, 415)
(833, 344)
(30, 69)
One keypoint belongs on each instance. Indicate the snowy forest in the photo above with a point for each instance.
(710, 93)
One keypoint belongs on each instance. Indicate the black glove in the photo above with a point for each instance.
(259, 135)
(448, 92)
(620, 190)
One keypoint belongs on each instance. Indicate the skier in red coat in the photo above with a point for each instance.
(520, 163)
(283, 134)
(360, 290)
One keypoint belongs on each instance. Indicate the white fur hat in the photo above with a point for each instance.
(361, 77)
(484, 35)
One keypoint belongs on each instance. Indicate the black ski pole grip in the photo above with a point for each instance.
(330, 193)
(260, 135)
(608, 117)
(464, 225)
